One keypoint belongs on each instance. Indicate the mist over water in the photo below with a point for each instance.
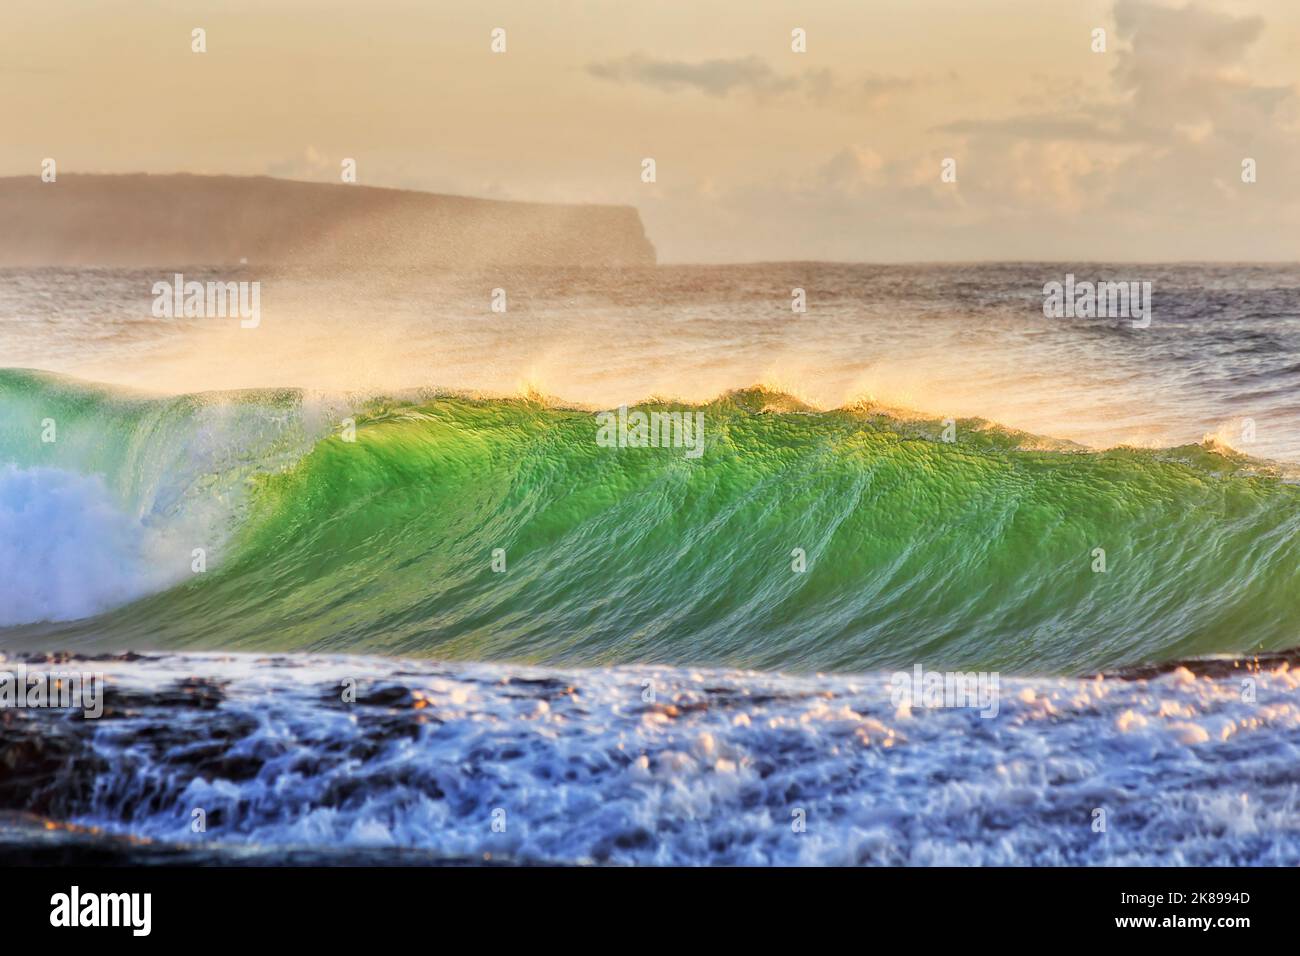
(961, 341)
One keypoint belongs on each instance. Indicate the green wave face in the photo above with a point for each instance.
(967, 554)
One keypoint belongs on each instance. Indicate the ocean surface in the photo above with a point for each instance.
(388, 480)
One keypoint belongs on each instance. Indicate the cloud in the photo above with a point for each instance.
(1041, 126)
(753, 75)
(851, 170)
(1162, 143)
(711, 77)
(310, 164)
(881, 88)
(1186, 66)
(1179, 73)
(1145, 166)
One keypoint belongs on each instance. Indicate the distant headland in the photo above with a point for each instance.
(181, 220)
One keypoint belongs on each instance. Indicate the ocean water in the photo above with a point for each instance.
(921, 469)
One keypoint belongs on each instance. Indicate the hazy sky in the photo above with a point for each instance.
(761, 152)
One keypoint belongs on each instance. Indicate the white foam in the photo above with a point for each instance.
(600, 774)
(67, 549)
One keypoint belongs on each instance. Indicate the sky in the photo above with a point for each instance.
(761, 153)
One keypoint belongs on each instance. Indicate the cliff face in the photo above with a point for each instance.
(182, 220)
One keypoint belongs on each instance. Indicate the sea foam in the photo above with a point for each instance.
(67, 549)
(659, 765)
